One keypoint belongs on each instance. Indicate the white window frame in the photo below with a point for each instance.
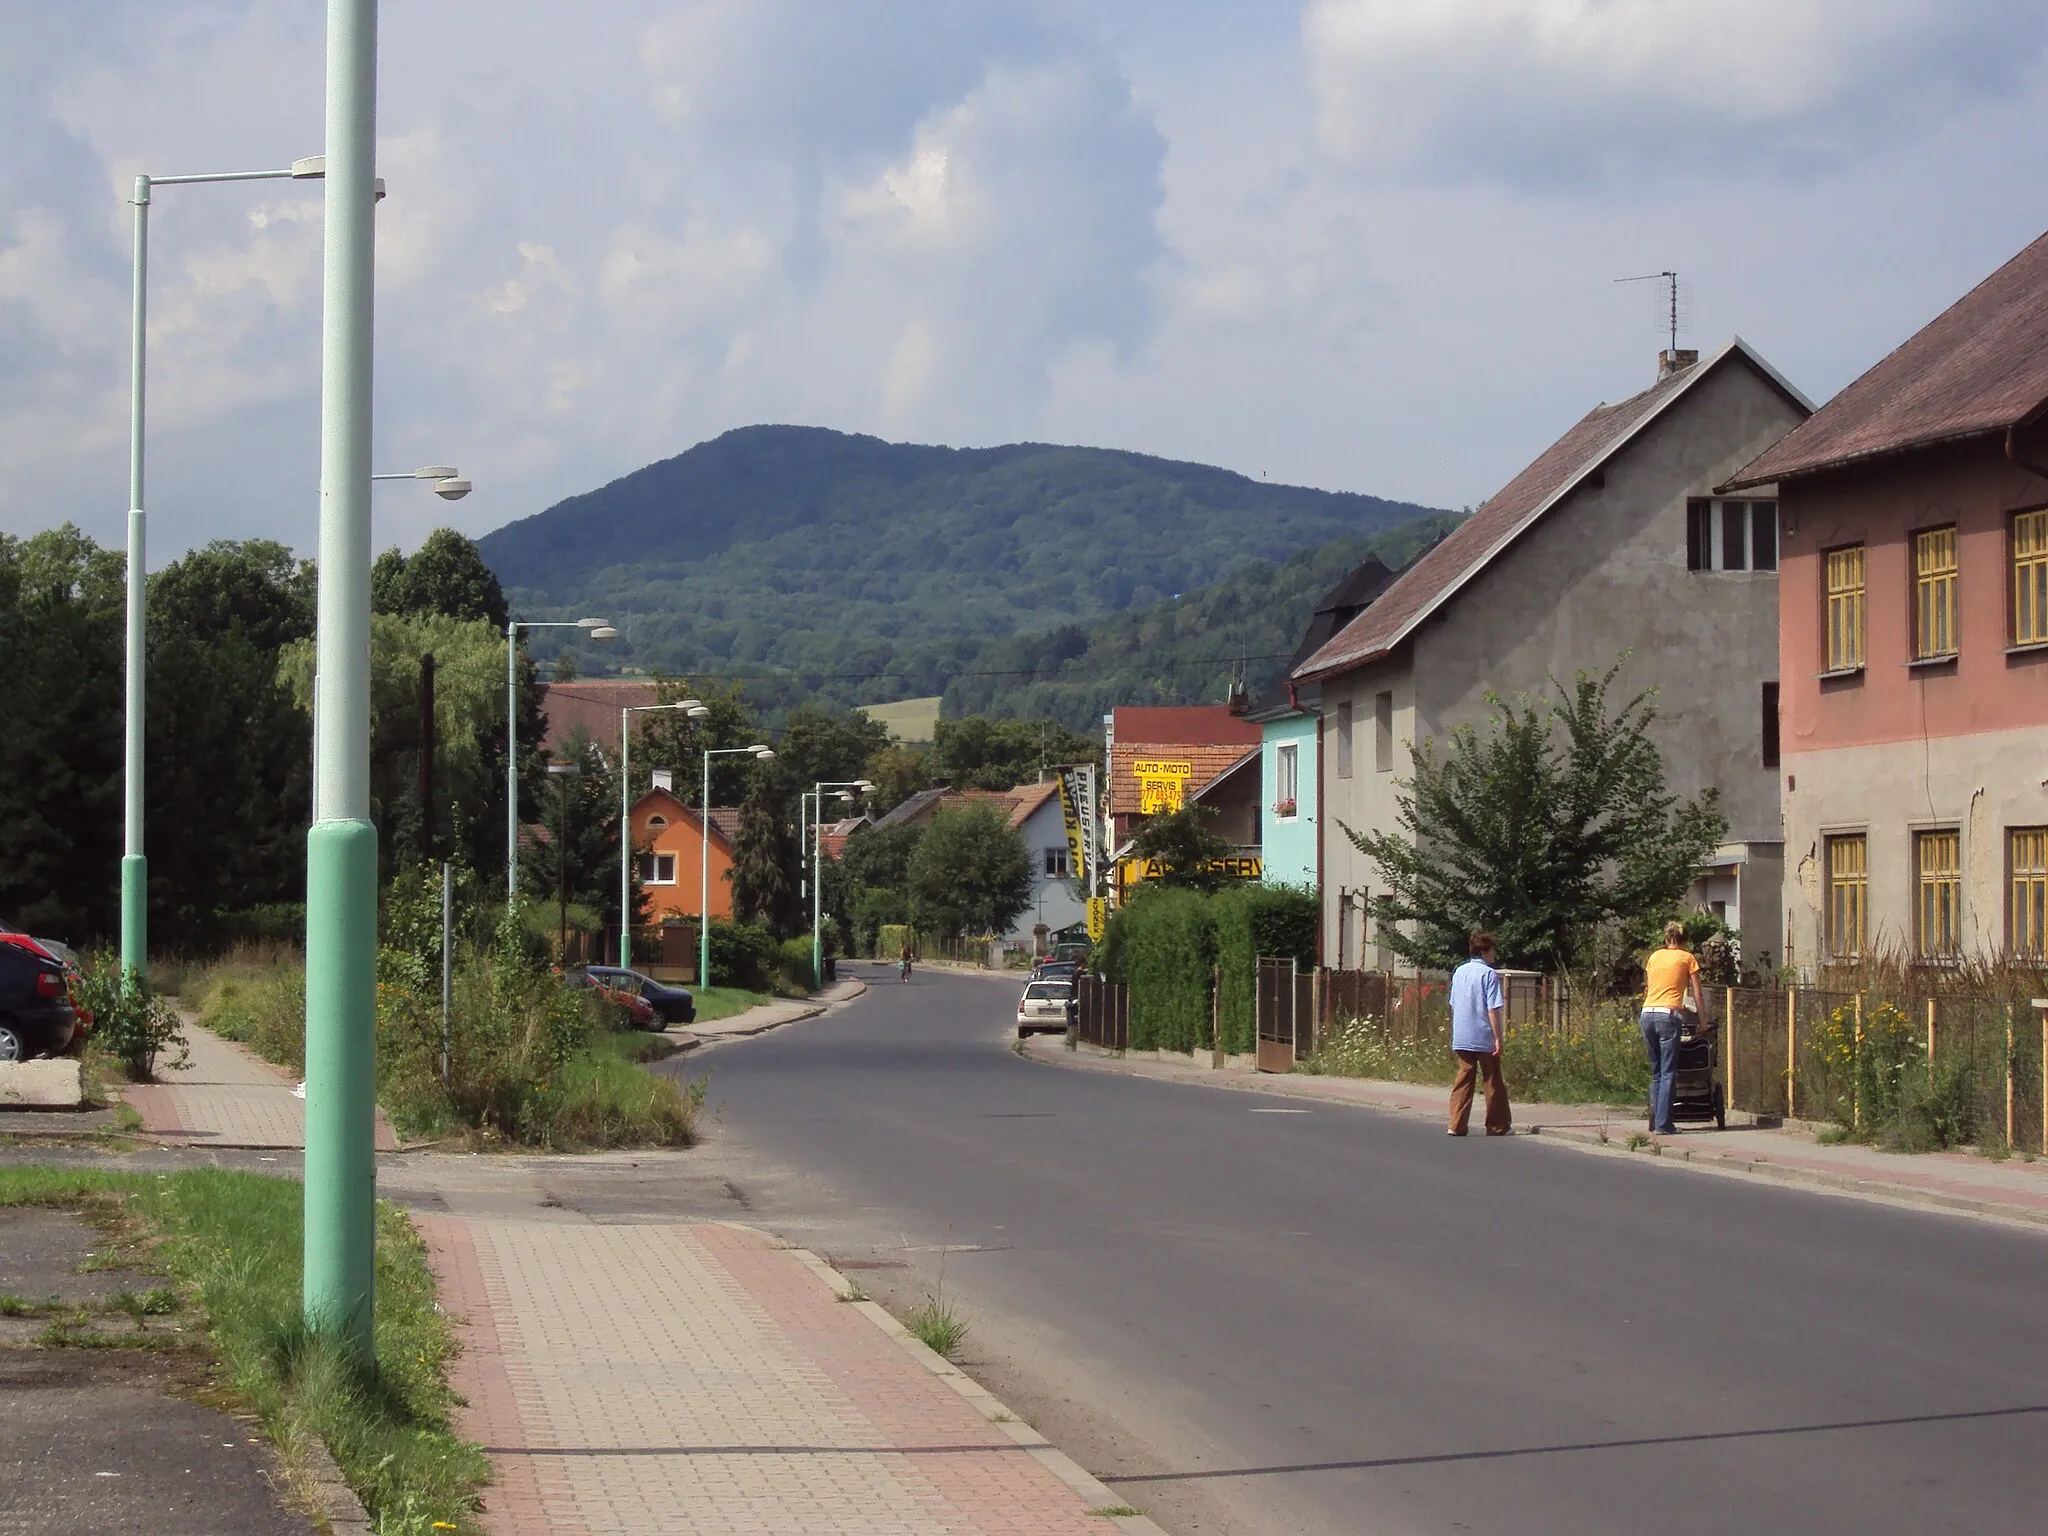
(650, 868)
(1056, 867)
(1383, 731)
(1287, 779)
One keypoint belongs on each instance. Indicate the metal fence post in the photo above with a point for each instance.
(1856, 1080)
(1728, 1046)
(1930, 1034)
(1791, 1038)
(447, 957)
(1216, 1017)
(2008, 1076)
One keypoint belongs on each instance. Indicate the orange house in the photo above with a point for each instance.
(670, 841)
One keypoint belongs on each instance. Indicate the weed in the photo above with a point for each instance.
(1834, 1135)
(1637, 1140)
(938, 1327)
(1116, 1511)
(853, 1292)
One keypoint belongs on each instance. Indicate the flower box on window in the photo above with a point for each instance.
(1283, 808)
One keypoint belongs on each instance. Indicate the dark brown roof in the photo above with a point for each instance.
(1980, 366)
(1211, 724)
(1472, 546)
(594, 704)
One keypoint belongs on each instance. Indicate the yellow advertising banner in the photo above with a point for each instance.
(1070, 812)
(1098, 918)
(1162, 783)
(1243, 866)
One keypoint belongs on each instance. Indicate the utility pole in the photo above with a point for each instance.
(341, 846)
(427, 758)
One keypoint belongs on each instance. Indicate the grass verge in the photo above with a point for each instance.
(231, 1244)
(714, 1003)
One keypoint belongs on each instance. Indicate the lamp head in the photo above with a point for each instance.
(451, 488)
(688, 704)
(699, 713)
(762, 753)
(604, 634)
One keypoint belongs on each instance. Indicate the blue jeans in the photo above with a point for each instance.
(1660, 1039)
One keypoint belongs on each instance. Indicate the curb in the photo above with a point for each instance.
(1701, 1159)
(335, 1505)
(690, 1041)
(1087, 1487)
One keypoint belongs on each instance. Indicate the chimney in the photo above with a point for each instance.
(664, 779)
(1675, 360)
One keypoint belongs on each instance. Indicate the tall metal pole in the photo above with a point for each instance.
(704, 878)
(511, 762)
(625, 842)
(341, 846)
(817, 885)
(134, 866)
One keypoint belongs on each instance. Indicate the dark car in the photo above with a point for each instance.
(671, 1005)
(1055, 970)
(36, 1016)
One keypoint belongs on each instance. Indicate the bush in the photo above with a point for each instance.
(1255, 920)
(793, 965)
(1167, 951)
(130, 1023)
(891, 938)
(873, 910)
(742, 955)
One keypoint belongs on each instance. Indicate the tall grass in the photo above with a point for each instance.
(1599, 1061)
(232, 1243)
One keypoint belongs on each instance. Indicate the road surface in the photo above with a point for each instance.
(1249, 1316)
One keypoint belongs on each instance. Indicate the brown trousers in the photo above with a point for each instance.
(1473, 1065)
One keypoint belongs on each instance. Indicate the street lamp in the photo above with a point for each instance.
(761, 752)
(816, 854)
(693, 709)
(598, 630)
(446, 482)
(134, 865)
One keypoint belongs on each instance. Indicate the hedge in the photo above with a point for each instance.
(1166, 943)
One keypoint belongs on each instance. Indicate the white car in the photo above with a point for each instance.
(1045, 1005)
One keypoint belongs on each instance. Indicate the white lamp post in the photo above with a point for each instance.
(446, 482)
(597, 630)
(134, 865)
(816, 854)
(761, 752)
(693, 709)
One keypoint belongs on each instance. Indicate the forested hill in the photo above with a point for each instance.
(824, 563)
(1179, 650)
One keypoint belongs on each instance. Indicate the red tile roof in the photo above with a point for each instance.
(1980, 366)
(1211, 724)
(1438, 575)
(1207, 761)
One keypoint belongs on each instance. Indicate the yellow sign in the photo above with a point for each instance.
(1098, 918)
(1162, 784)
(1162, 768)
(1243, 866)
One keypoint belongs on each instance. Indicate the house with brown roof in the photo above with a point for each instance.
(670, 842)
(1612, 541)
(1913, 640)
(593, 705)
(1160, 757)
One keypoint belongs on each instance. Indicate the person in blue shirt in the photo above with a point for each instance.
(1477, 1011)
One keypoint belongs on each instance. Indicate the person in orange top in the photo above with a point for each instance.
(1673, 975)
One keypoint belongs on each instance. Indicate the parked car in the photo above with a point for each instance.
(36, 1016)
(671, 1005)
(1045, 1005)
(1072, 950)
(1055, 970)
(635, 1011)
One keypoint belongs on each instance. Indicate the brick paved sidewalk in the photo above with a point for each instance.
(1958, 1181)
(699, 1378)
(226, 1096)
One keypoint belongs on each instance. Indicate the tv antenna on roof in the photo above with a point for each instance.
(1670, 278)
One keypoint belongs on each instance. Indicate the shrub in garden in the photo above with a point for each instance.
(130, 1023)
(1253, 920)
(742, 955)
(1166, 951)
(793, 965)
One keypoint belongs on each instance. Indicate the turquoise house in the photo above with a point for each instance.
(1290, 719)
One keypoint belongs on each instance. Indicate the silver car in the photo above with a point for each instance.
(1045, 1005)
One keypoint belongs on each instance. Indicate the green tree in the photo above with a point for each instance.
(445, 575)
(669, 739)
(1189, 852)
(61, 601)
(970, 872)
(981, 753)
(880, 856)
(1551, 822)
(820, 746)
(765, 854)
(897, 772)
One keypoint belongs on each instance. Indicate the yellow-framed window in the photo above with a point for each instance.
(2030, 578)
(1848, 893)
(2026, 862)
(1938, 904)
(1845, 608)
(1934, 593)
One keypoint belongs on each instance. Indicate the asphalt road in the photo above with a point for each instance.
(1255, 1317)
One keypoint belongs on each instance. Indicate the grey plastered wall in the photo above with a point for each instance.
(1602, 572)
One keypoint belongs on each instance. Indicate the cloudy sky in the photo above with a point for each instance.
(1360, 244)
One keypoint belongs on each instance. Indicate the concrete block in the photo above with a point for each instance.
(49, 1083)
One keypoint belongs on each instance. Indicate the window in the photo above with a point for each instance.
(1770, 725)
(1938, 901)
(1383, 733)
(1934, 593)
(2030, 578)
(657, 821)
(1848, 893)
(2026, 858)
(1344, 740)
(1845, 609)
(1734, 535)
(1699, 534)
(1763, 535)
(1056, 862)
(657, 869)
(1286, 780)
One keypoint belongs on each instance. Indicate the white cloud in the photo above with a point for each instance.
(1563, 91)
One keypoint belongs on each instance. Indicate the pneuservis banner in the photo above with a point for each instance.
(1071, 812)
